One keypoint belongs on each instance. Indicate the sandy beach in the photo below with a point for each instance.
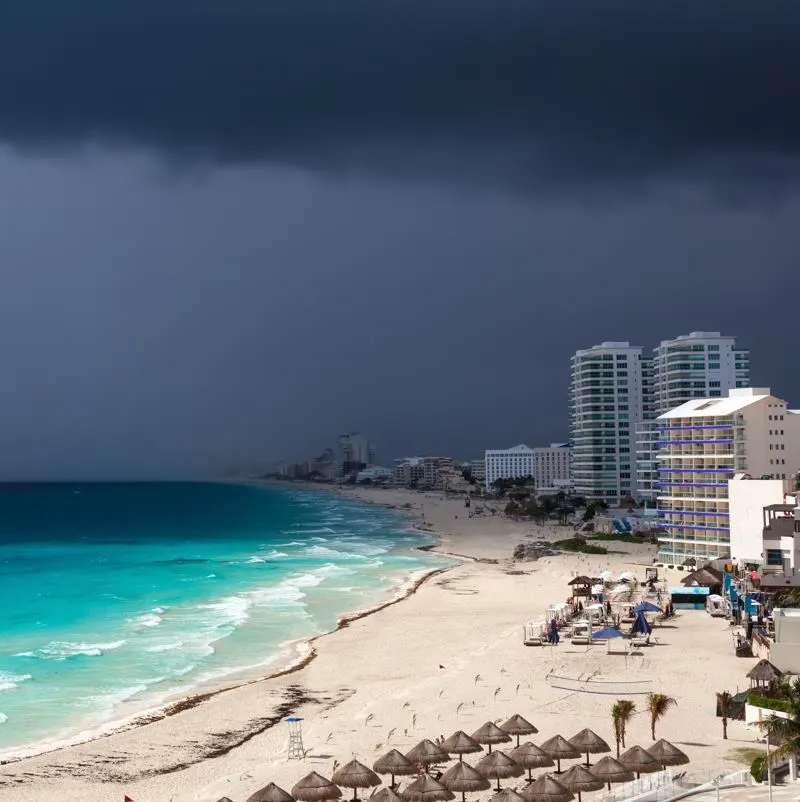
(449, 656)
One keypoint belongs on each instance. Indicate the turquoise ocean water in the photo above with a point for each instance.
(114, 597)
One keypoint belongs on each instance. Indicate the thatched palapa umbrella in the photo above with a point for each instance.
(517, 725)
(507, 795)
(386, 795)
(611, 771)
(490, 734)
(459, 743)
(426, 789)
(559, 749)
(462, 777)
(224, 799)
(667, 754)
(547, 789)
(270, 793)
(394, 763)
(529, 756)
(640, 761)
(315, 788)
(579, 779)
(356, 775)
(589, 742)
(499, 766)
(426, 753)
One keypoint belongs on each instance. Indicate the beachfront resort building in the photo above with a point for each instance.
(551, 465)
(702, 364)
(508, 463)
(606, 400)
(477, 468)
(703, 444)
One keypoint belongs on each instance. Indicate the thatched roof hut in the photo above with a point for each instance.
(763, 674)
(270, 793)
(704, 578)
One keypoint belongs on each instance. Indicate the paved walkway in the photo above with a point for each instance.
(753, 793)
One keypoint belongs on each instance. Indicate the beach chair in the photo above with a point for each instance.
(637, 641)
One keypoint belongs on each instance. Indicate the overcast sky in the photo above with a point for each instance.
(231, 229)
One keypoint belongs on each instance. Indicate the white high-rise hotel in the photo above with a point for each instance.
(616, 394)
(606, 404)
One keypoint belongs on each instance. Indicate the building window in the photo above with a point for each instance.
(774, 557)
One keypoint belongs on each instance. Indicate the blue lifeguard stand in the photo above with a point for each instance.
(296, 751)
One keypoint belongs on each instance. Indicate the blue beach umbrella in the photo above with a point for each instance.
(607, 632)
(647, 607)
(641, 625)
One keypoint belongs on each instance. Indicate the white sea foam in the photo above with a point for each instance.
(291, 542)
(151, 619)
(164, 647)
(10, 681)
(3, 718)
(61, 650)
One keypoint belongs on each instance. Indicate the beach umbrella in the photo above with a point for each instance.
(498, 766)
(517, 725)
(394, 763)
(589, 742)
(647, 607)
(547, 789)
(355, 775)
(611, 771)
(459, 743)
(667, 754)
(426, 753)
(426, 789)
(640, 761)
(606, 633)
(315, 788)
(224, 799)
(386, 795)
(507, 795)
(270, 793)
(579, 779)
(529, 756)
(559, 749)
(462, 777)
(490, 734)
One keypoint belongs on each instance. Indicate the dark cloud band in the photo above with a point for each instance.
(512, 87)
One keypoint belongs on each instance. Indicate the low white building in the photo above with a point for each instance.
(551, 464)
(746, 502)
(408, 472)
(375, 473)
(509, 463)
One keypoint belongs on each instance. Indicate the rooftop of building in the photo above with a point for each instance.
(736, 400)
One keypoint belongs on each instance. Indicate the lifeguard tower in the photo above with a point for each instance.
(296, 751)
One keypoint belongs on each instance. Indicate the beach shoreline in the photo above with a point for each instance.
(301, 652)
(449, 657)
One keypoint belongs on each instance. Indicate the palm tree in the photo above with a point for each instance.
(785, 731)
(724, 702)
(658, 704)
(621, 714)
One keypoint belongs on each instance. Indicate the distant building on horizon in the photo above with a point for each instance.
(551, 464)
(477, 467)
(508, 463)
(355, 452)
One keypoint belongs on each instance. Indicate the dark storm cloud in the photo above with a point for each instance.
(508, 89)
